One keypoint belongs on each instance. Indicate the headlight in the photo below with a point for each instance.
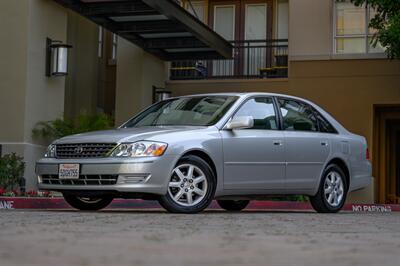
(140, 149)
(51, 151)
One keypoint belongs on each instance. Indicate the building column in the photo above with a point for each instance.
(27, 96)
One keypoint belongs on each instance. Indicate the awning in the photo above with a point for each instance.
(160, 27)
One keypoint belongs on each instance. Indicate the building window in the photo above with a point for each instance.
(114, 46)
(100, 43)
(352, 34)
(197, 9)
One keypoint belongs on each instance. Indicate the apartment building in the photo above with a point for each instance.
(316, 49)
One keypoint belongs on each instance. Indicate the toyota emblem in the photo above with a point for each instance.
(78, 150)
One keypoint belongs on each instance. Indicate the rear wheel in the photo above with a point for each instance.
(332, 191)
(191, 187)
(233, 205)
(87, 203)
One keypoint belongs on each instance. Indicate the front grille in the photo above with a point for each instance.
(84, 180)
(83, 150)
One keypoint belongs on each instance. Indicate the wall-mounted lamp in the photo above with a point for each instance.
(56, 58)
(160, 94)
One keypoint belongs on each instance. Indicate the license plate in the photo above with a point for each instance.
(68, 171)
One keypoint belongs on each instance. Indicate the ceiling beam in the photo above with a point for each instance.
(159, 26)
(167, 43)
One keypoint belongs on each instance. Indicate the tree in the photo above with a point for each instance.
(387, 24)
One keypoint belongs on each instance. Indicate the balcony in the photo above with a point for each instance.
(256, 59)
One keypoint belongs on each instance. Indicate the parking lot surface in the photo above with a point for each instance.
(153, 237)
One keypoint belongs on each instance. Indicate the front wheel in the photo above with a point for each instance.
(191, 186)
(332, 191)
(87, 203)
(233, 205)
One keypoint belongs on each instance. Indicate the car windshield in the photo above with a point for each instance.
(192, 111)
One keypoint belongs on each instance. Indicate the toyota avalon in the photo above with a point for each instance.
(234, 147)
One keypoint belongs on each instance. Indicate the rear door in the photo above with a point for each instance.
(306, 149)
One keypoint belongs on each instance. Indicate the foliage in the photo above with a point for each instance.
(387, 24)
(30, 193)
(12, 169)
(51, 130)
(299, 198)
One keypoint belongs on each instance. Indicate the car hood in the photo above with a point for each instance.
(120, 135)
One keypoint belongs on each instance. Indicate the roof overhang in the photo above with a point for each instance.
(160, 27)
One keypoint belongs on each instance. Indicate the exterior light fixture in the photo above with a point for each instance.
(56, 58)
(160, 94)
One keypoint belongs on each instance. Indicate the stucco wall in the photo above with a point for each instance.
(44, 98)
(26, 94)
(310, 29)
(13, 68)
(137, 72)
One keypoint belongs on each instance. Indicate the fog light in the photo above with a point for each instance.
(133, 179)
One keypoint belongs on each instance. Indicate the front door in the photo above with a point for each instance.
(254, 157)
(306, 150)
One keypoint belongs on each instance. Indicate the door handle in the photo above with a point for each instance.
(278, 143)
(324, 143)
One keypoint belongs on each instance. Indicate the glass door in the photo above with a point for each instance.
(255, 34)
(225, 25)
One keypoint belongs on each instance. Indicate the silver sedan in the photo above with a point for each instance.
(235, 147)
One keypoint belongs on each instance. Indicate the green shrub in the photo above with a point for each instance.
(51, 130)
(299, 198)
(12, 169)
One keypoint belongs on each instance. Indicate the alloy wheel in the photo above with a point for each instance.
(188, 185)
(334, 189)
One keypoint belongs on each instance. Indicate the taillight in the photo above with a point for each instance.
(367, 153)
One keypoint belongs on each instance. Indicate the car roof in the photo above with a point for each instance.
(244, 95)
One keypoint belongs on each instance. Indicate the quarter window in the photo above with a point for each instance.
(324, 125)
(297, 116)
(263, 113)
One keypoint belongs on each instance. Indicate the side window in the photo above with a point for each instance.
(297, 116)
(324, 125)
(263, 113)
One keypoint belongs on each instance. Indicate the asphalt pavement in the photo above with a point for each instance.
(154, 237)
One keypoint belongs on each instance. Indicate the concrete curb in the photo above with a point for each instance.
(59, 203)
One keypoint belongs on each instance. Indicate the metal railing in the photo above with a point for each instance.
(251, 59)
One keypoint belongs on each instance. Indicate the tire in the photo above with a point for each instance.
(87, 204)
(324, 201)
(233, 205)
(191, 186)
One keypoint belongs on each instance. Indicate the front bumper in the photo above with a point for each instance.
(141, 175)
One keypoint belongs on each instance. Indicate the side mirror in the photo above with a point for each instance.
(240, 122)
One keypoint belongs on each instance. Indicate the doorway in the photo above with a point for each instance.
(387, 153)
